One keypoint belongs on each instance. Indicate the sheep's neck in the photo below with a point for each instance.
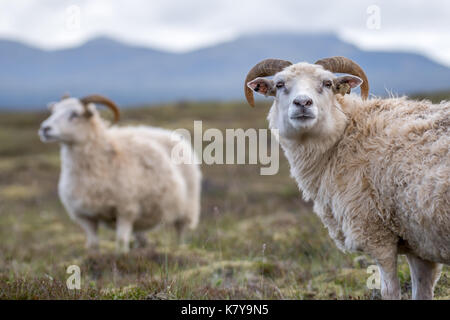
(308, 165)
(92, 155)
(311, 156)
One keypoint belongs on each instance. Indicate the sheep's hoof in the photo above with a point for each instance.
(122, 248)
(121, 251)
(92, 249)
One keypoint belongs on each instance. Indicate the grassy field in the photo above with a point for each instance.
(257, 238)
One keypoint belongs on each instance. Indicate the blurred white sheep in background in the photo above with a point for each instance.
(120, 176)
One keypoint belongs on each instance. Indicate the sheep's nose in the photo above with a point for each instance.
(45, 129)
(303, 101)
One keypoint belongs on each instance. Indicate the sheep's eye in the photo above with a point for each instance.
(327, 83)
(73, 115)
(280, 84)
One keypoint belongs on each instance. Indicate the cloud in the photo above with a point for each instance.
(179, 25)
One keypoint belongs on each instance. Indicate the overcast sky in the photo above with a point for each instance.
(182, 25)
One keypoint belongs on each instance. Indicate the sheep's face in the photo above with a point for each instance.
(304, 98)
(69, 122)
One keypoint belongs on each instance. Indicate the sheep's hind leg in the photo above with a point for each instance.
(90, 227)
(180, 228)
(424, 275)
(124, 230)
(141, 239)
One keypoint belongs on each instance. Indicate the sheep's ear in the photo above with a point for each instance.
(344, 84)
(51, 106)
(88, 114)
(262, 86)
(90, 109)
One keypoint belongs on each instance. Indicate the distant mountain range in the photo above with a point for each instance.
(30, 77)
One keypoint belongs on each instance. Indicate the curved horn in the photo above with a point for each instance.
(65, 96)
(345, 65)
(264, 68)
(95, 98)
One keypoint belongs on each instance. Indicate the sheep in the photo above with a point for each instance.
(377, 170)
(123, 177)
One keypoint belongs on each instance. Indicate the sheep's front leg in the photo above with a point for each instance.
(141, 239)
(90, 227)
(180, 228)
(124, 231)
(386, 259)
(424, 275)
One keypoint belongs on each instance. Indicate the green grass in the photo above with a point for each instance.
(435, 97)
(257, 238)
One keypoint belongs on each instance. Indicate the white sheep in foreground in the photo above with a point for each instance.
(121, 176)
(378, 170)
